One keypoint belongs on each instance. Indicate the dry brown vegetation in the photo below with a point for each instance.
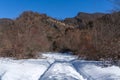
(90, 36)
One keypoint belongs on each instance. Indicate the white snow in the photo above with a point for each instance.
(62, 71)
(22, 70)
(52, 57)
(93, 71)
(56, 66)
(99, 73)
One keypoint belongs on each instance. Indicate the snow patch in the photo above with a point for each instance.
(55, 66)
(52, 57)
(99, 73)
(19, 70)
(92, 70)
(62, 71)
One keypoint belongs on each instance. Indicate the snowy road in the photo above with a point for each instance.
(56, 67)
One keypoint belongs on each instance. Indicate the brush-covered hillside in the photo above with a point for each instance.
(90, 36)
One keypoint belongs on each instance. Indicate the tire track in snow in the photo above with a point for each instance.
(46, 70)
(70, 75)
(2, 75)
(82, 72)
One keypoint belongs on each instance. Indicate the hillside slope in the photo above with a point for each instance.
(90, 36)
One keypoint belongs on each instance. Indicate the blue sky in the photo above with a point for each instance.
(55, 8)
